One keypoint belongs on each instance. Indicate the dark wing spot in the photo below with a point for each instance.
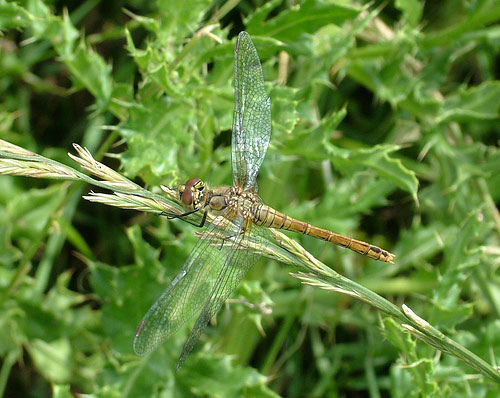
(139, 328)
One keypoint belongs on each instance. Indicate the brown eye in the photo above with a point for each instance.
(187, 197)
(192, 182)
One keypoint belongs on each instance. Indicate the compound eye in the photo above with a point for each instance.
(192, 185)
(192, 182)
(187, 197)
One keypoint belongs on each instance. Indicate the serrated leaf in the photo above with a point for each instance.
(472, 104)
(86, 67)
(32, 210)
(156, 132)
(181, 17)
(398, 336)
(384, 78)
(308, 17)
(59, 30)
(422, 243)
(411, 94)
(284, 111)
(127, 292)
(205, 376)
(421, 369)
(378, 159)
(91, 72)
(310, 143)
(447, 319)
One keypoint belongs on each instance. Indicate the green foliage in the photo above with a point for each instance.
(385, 127)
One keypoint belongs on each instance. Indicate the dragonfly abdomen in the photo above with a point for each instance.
(269, 217)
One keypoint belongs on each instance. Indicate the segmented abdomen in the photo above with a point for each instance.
(268, 217)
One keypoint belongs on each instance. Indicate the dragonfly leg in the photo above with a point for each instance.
(225, 238)
(183, 215)
(245, 226)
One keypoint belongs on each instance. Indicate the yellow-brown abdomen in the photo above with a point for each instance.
(269, 217)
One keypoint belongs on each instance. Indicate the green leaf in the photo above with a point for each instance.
(372, 106)
(61, 391)
(87, 68)
(378, 159)
(156, 132)
(53, 360)
(12, 16)
(476, 16)
(384, 77)
(129, 291)
(91, 72)
(59, 30)
(284, 111)
(206, 376)
(411, 9)
(32, 210)
(422, 244)
(308, 17)
(180, 17)
(420, 369)
(472, 104)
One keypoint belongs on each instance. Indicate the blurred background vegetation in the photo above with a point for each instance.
(385, 127)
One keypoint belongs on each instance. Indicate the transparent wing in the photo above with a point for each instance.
(185, 296)
(252, 115)
(244, 254)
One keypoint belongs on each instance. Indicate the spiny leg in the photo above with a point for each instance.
(244, 228)
(183, 215)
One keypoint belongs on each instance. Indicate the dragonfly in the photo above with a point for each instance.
(228, 247)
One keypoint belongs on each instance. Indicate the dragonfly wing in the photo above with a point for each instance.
(252, 114)
(185, 296)
(244, 254)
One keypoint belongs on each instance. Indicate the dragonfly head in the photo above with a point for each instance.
(193, 193)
